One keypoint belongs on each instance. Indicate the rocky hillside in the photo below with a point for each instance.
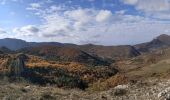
(124, 51)
(161, 41)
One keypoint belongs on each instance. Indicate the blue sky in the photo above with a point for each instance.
(106, 22)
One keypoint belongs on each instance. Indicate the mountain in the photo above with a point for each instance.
(62, 53)
(102, 51)
(161, 41)
(164, 38)
(13, 44)
(110, 51)
(125, 51)
(5, 50)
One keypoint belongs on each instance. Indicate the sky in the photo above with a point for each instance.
(102, 22)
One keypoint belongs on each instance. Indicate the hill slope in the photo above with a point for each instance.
(161, 41)
(13, 44)
(59, 53)
(102, 51)
(124, 51)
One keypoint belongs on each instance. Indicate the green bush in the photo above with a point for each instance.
(70, 82)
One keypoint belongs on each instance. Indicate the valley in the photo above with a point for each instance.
(52, 71)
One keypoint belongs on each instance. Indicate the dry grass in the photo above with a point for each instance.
(106, 84)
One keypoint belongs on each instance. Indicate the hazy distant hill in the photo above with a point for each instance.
(13, 44)
(124, 51)
(102, 51)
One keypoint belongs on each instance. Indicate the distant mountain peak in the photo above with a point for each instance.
(15, 39)
(163, 35)
(164, 38)
(161, 41)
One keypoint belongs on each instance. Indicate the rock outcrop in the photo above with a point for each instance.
(16, 65)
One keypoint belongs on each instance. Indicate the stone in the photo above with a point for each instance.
(121, 87)
(165, 94)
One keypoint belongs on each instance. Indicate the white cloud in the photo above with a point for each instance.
(153, 5)
(103, 15)
(48, 1)
(90, 25)
(64, 25)
(81, 18)
(136, 32)
(150, 5)
(29, 30)
(34, 6)
(152, 8)
(3, 2)
(121, 12)
(131, 2)
(2, 31)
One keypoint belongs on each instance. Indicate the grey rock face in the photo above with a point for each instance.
(16, 65)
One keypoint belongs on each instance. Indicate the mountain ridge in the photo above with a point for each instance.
(95, 50)
(124, 51)
(161, 41)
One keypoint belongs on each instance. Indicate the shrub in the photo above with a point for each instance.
(47, 96)
(56, 76)
(120, 92)
(70, 82)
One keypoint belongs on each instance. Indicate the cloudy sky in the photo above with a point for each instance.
(106, 22)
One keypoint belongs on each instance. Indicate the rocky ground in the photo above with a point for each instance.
(153, 89)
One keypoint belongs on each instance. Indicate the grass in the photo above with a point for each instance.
(157, 69)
